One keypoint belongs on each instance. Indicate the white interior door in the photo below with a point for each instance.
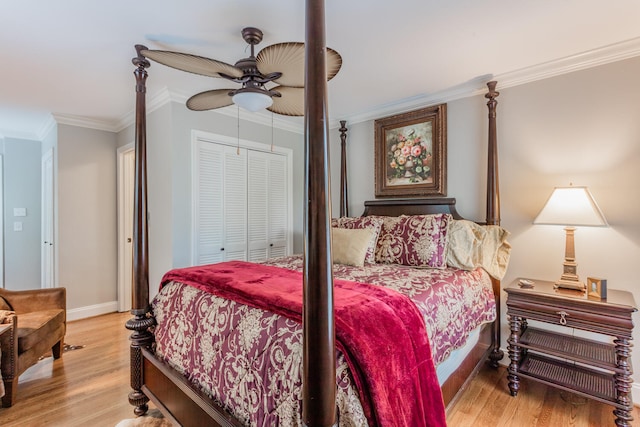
(126, 175)
(48, 244)
(220, 194)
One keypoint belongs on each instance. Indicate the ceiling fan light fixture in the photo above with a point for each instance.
(252, 100)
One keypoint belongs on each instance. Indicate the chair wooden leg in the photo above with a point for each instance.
(10, 391)
(57, 350)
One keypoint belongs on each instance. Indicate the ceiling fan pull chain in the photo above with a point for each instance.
(238, 150)
(272, 131)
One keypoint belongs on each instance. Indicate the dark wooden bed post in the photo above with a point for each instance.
(344, 193)
(493, 208)
(319, 368)
(140, 324)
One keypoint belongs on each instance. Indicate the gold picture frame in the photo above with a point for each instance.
(411, 153)
(596, 288)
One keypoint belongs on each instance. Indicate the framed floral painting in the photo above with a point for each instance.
(411, 153)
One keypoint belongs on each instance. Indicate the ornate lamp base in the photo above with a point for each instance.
(569, 278)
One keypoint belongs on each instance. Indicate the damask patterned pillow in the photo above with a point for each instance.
(415, 240)
(370, 222)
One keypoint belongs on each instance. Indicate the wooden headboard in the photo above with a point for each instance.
(397, 207)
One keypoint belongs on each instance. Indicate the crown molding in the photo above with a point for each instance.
(85, 122)
(18, 134)
(158, 100)
(592, 58)
(48, 126)
(166, 96)
(581, 61)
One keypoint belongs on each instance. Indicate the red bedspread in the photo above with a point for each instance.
(380, 332)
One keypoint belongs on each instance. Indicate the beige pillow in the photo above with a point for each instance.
(349, 246)
(472, 246)
(465, 243)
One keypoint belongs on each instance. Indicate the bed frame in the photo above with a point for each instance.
(184, 404)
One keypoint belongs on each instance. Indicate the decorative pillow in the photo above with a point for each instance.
(373, 223)
(472, 245)
(465, 243)
(415, 240)
(350, 245)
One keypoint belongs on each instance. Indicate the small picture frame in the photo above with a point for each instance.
(596, 288)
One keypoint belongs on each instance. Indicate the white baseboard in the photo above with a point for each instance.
(92, 310)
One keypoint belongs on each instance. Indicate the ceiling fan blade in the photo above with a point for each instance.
(193, 63)
(210, 100)
(288, 58)
(291, 103)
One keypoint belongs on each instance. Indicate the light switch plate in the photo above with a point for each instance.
(17, 226)
(19, 211)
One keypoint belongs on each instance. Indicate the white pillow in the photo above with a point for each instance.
(349, 246)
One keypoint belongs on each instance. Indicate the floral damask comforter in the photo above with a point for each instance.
(249, 360)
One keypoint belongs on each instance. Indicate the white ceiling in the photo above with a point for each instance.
(72, 58)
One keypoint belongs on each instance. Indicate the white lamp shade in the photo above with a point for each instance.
(571, 206)
(252, 101)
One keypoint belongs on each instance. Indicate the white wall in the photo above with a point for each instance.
(583, 128)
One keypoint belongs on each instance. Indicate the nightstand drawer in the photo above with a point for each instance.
(571, 317)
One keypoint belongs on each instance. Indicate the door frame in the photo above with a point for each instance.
(47, 221)
(124, 287)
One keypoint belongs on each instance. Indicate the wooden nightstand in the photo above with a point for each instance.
(593, 369)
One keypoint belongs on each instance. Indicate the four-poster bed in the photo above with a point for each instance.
(160, 380)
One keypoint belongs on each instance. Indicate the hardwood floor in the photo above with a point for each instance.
(89, 387)
(487, 403)
(86, 387)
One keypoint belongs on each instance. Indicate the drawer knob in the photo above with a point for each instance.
(563, 317)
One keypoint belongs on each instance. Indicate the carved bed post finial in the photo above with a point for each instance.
(344, 195)
(142, 320)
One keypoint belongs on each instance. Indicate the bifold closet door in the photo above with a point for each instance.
(267, 204)
(220, 203)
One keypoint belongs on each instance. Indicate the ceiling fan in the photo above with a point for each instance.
(280, 66)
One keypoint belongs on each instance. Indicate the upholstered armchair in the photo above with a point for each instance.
(39, 322)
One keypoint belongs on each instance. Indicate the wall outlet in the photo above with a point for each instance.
(17, 226)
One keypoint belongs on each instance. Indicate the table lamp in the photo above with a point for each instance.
(571, 207)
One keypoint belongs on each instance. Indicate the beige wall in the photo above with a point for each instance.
(86, 217)
(581, 128)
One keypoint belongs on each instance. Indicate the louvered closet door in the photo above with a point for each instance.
(278, 206)
(220, 203)
(268, 205)
(235, 204)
